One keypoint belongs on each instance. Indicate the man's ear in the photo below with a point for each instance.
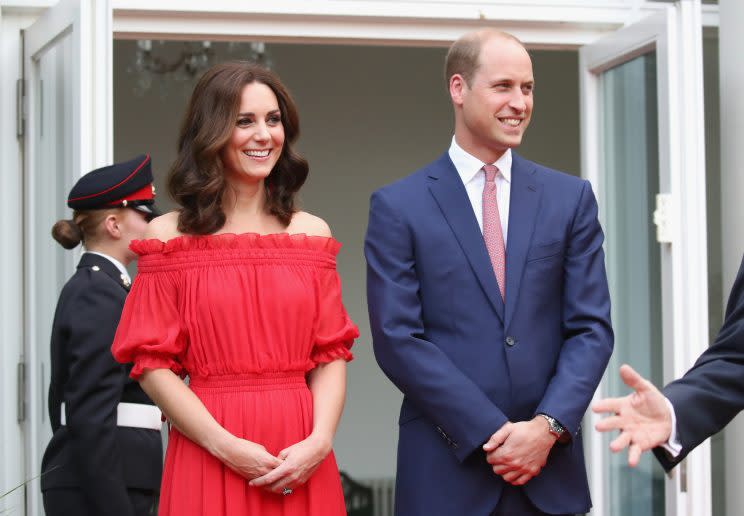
(112, 225)
(457, 87)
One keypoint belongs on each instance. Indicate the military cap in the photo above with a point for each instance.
(127, 184)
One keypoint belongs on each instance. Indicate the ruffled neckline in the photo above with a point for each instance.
(236, 241)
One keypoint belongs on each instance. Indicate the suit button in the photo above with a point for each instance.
(510, 341)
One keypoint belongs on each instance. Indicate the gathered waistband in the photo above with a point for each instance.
(249, 381)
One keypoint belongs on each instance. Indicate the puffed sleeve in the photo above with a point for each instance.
(335, 331)
(150, 333)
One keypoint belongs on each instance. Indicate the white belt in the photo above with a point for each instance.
(137, 415)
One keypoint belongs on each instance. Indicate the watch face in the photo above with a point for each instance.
(554, 425)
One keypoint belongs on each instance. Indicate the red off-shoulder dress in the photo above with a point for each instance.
(245, 317)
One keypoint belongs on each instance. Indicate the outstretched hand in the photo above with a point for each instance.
(642, 417)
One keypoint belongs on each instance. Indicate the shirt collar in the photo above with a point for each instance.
(468, 166)
(117, 264)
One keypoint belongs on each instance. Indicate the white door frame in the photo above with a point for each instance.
(538, 23)
(12, 472)
(88, 24)
(673, 33)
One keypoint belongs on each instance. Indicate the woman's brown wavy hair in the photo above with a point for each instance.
(196, 180)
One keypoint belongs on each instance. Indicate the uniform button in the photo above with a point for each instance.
(510, 341)
(96, 268)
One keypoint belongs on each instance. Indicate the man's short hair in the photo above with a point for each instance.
(463, 56)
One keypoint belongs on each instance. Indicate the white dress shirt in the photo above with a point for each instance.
(474, 178)
(672, 446)
(117, 263)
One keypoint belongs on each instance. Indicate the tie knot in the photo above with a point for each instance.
(491, 172)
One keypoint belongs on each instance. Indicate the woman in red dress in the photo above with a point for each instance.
(239, 291)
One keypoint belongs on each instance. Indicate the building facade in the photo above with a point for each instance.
(640, 97)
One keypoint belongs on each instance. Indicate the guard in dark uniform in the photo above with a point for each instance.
(105, 457)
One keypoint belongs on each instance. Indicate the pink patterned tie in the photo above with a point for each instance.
(492, 232)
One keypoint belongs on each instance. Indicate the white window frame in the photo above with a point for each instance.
(673, 33)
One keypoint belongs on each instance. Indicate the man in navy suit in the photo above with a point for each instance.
(686, 412)
(489, 306)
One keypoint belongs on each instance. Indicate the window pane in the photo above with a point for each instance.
(630, 146)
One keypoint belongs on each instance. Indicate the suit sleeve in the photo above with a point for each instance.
(92, 395)
(711, 393)
(418, 367)
(587, 330)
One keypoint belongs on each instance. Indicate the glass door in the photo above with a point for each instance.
(629, 139)
(68, 134)
(640, 146)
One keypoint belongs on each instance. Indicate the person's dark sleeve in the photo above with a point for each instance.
(419, 368)
(91, 397)
(588, 336)
(711, 394)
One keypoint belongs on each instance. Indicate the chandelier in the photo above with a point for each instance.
(183, 62)
(255, 51)
(194, 57)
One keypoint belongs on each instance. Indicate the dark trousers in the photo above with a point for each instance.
(68, 502)
(514, 502)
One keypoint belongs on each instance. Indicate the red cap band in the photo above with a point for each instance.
(143, 194)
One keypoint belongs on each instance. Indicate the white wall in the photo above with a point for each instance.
(369, 115)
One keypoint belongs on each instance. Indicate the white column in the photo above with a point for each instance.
(732, 208)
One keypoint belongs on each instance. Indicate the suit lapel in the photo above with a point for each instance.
(450, 194)
(90, 260)
(524, 202)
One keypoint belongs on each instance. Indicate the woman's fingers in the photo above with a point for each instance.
(273, 476)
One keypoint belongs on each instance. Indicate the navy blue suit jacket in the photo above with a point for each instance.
(710, 394)
(468, 362)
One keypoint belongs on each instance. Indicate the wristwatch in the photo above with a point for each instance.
(554, 427)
